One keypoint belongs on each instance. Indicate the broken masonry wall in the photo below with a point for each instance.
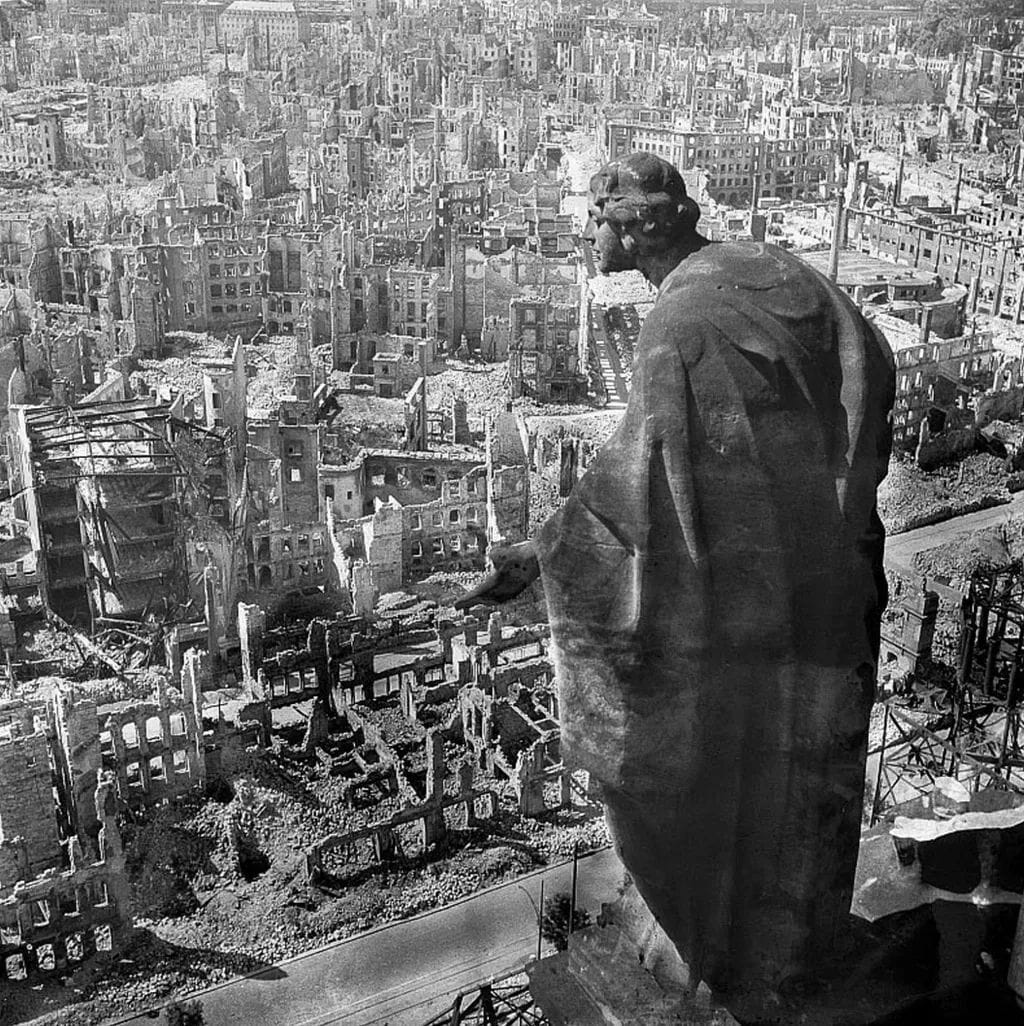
(363, 587)
(13, 865)
(934, 450)
(148, 314)
(530, 776)
(448, 533)
(27, 808)
(512, 730)
(426, 811)
(368, 555)
(153, 748)
(491, 659)
(468, 269)
(415, 695)
(544, 350)
(289, 677)
(342, 490)
(963, 360)
(393, 375)
(909, 641)
(289, 557)
(213, 557)
(480, 732)
(299, 454)
(413, 308)
(30, 256)
(291, 665)
(18, 717)
(414, 477)
(998, 404)
(252, 625)
(428, 669)
(340, 555)
(179, 639)
(361, 723)
(508, 503)
(59, 920)
(507, 439)
(78, 761)
(43, 267)
(407, 345)
(500, 679)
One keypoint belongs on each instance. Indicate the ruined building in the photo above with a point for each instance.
(97, 485)
(63, 889)
(421, 512)
(546, 355)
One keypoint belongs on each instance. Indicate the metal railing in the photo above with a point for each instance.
(502, 1002)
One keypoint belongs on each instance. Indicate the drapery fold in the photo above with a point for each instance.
(714, 586)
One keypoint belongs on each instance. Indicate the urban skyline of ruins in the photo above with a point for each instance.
(296, 321)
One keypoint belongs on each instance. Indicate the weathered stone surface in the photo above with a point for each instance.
(715, 586)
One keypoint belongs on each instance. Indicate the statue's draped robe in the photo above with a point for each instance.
(715, 587)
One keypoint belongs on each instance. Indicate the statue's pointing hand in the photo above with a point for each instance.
(515, 568)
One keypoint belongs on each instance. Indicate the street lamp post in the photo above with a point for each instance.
(572, 898)
(538, 912)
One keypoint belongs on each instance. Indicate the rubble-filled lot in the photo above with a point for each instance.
(955, 561)
(219, 883)
(910, 497)
(365, 421)
(485, 388)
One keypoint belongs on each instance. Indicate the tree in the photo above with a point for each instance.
(554, 924)
(185, 1013)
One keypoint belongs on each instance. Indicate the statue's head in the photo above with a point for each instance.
(638, 208)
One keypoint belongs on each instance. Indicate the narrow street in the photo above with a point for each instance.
(607, 356)
(407, 972)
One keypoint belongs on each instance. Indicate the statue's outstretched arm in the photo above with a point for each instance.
(515, 568)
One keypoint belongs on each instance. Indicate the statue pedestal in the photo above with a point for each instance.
(914, 966)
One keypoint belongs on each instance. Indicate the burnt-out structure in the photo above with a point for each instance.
(63, 887)
(97, 484)
(967, 727)
(424, 512)
(53, 922)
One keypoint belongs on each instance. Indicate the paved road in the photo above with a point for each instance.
(403, 974)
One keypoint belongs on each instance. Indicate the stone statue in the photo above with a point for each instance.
(715, 586)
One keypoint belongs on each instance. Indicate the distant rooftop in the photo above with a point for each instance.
(861, 269)
(443, 452)
(262, 6)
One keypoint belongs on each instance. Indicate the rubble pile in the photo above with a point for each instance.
(50, 650)
(483, 386)
(364, 422)
(180, 370)
(594, 428)
(910, 497)
(173, 372)
(957, 560)
(273, 360)
(581, 158)
(200, 920)
(544, 499)
(627, 289)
